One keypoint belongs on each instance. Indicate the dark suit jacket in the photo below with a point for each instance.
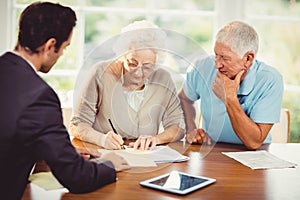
(31, 129)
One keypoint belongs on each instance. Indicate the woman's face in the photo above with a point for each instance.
(138, 65)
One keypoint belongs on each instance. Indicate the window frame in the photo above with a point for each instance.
(220, 14)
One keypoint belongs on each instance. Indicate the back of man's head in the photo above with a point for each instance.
(41, 21)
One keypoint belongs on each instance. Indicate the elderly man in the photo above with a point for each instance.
(240, 96)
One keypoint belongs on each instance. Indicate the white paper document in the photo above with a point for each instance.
(138, 158)
(164, 154)
(259, 160)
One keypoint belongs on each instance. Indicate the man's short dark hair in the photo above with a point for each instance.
(41, 21)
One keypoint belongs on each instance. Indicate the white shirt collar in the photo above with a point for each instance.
(16, 53)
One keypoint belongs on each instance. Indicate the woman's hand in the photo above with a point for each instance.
(111, 141)
(144, 142)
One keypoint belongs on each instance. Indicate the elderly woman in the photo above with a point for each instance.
(130, 97)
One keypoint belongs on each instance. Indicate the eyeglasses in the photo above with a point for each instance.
(134, 64)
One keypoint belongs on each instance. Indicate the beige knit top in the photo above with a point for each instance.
(102, 98)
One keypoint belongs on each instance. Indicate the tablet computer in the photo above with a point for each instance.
(177, 182)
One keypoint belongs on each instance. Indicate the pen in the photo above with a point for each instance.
(115, 131)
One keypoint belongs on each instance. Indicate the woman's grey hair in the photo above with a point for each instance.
(240, 37)
(139, 35)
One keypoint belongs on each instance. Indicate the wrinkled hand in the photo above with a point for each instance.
(224, 87)
(144, 142)
(119, 162)
(111, 141)
(198, 136)
(87, 153)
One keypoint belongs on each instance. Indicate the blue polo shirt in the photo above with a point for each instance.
(260, 96)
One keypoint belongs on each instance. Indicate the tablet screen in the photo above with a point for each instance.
(178, 182)
(185, 181)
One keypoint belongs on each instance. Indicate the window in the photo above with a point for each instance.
(277, 22)
(100, 20)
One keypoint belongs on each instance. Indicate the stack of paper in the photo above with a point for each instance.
(164, 154)
(138, 158)
(259, 159)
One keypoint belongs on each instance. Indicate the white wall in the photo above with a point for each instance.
(6, 24)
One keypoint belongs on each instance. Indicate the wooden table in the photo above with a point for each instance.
(234, 180)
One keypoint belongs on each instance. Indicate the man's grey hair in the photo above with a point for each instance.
(240, 37)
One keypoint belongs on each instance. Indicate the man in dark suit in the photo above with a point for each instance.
(30, 118)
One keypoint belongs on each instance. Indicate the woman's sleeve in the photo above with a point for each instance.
(85, 108)
(174, 113)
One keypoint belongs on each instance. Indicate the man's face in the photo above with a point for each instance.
(53, 56)
(228, 62)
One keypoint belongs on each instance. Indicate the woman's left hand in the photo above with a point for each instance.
(144, 142)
